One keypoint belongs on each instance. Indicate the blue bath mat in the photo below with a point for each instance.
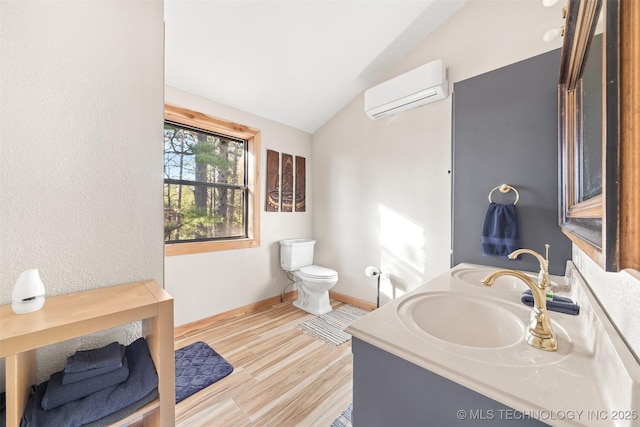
(198, 366)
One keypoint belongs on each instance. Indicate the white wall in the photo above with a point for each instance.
(81, 88)
(382, 189)
(210, 283)
(619, 294)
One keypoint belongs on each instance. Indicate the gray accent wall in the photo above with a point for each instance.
(505, 131)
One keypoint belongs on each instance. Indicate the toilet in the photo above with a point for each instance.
(312, 281)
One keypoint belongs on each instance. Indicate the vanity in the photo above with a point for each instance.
(452, 352)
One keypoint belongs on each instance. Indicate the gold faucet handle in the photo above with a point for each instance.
(546, 256)
(543, 276)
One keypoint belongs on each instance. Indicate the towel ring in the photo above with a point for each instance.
(505, 188)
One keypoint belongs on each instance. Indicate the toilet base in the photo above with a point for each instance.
(314, 303)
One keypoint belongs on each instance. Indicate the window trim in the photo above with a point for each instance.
(195, 119)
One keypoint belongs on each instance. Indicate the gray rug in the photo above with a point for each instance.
(344, 419)
(330, 327)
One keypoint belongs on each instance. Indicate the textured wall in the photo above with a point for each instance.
(81, 90)
(618, 293)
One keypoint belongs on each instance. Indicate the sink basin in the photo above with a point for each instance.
(502, 283)
(461, 319)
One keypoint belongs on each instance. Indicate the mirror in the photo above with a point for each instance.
(582, 120)
(589, 122)
(598, 144)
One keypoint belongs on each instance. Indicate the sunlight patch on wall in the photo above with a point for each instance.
(402, 237)
(402, 253)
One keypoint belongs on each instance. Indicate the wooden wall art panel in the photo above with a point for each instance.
(286, 194)
(273, 177)
(301, 178)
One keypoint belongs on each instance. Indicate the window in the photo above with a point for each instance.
(211, 199)
(204, 186)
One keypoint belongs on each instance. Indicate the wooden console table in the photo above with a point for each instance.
(68, 316)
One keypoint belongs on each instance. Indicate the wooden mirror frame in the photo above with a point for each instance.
(605, 227)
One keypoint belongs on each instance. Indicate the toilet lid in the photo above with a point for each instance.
(317, 272)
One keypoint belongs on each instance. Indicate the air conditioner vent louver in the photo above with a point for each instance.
(425, 84)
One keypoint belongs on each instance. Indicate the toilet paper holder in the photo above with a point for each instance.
(371, 272)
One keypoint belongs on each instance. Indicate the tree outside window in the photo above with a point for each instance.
(208, 187)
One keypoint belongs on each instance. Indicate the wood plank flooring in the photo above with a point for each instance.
(281, 376)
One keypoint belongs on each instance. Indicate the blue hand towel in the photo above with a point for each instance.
(559, 304)
(58, 394)
(98, 364)
(81, 361)
(500, 235)
(143, 379)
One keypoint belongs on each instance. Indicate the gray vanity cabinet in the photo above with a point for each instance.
(390, 391)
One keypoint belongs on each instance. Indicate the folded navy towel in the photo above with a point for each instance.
(500, 235)
(143, 378)
(559, 304)
(85, 360)
(124, 412)
(58, 394)
(71, 376)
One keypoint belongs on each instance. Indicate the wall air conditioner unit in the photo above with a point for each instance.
(425, 84)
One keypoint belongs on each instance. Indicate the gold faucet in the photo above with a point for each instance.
(543, 275)
(539, 332)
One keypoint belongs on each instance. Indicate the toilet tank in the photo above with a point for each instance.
(296, 253)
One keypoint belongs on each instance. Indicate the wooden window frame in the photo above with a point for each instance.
(195, 119)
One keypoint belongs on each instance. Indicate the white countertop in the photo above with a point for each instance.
(592, 380)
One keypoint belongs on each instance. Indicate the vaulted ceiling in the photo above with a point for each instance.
(295, 62)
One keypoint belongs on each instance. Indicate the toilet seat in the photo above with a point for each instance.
(315, 272)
